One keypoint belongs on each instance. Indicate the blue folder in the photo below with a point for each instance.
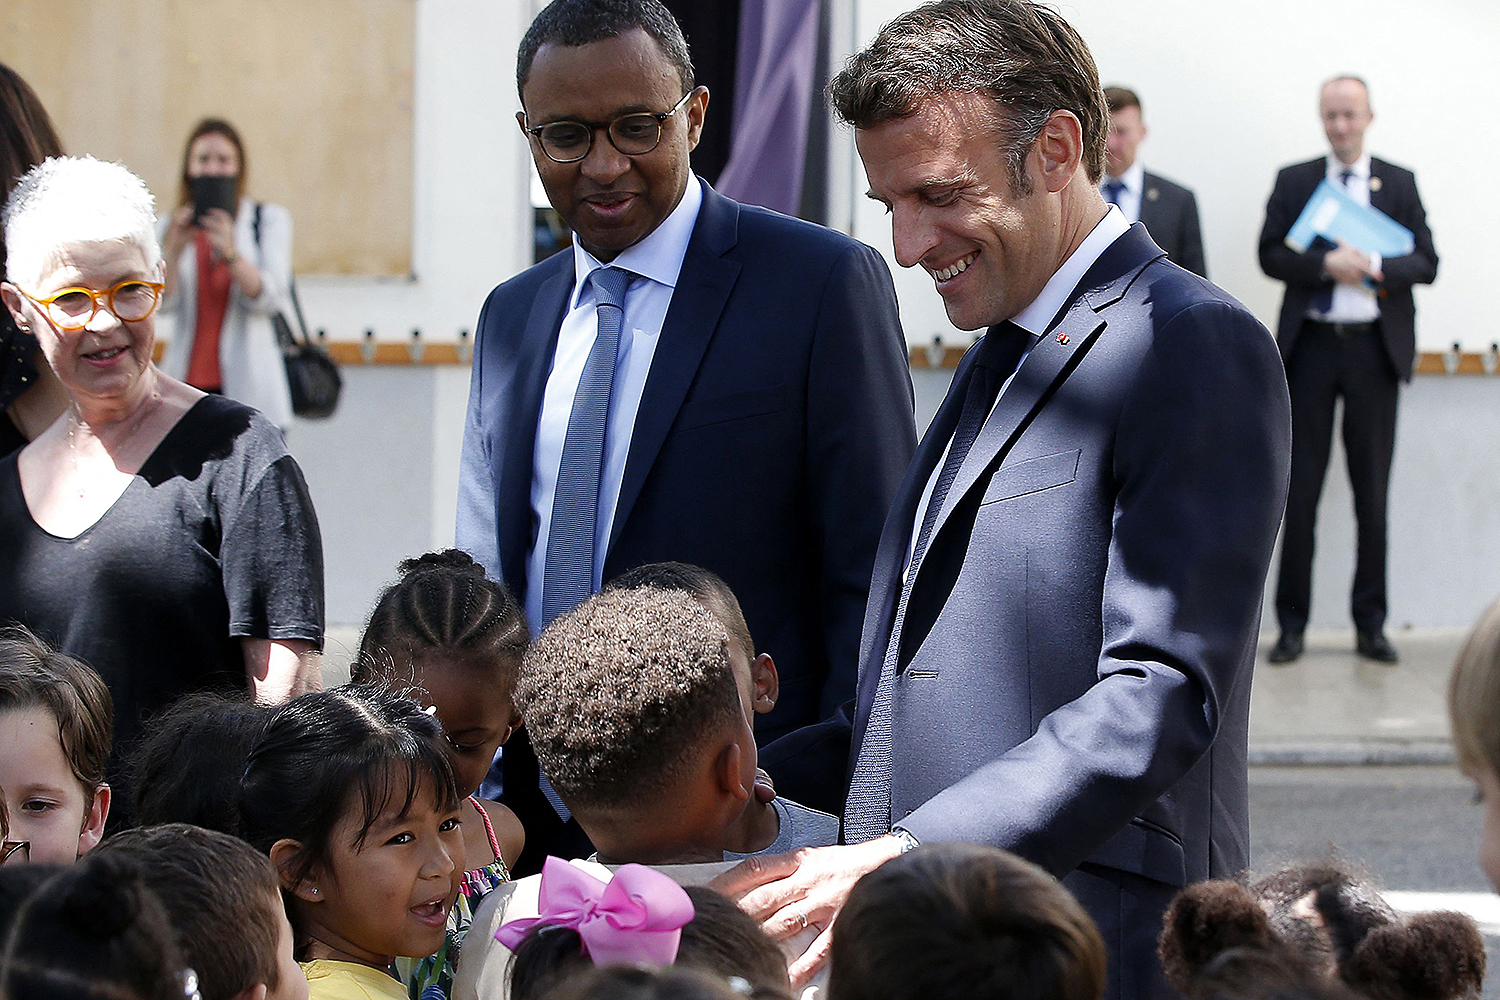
(1332, 214)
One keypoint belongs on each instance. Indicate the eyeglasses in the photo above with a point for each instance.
(634, 134)
(15, 852)
(131, 300)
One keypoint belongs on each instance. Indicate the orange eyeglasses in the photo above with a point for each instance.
(131, 300)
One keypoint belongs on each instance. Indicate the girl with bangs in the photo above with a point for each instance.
(352, 796)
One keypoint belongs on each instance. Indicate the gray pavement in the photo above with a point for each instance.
(1332, 707)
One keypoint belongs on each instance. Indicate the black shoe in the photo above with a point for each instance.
(1287, 648)
(1375, 646)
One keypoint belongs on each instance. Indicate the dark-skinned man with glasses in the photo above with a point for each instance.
(695, 380)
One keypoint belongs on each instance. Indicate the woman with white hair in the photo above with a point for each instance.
(163, 535)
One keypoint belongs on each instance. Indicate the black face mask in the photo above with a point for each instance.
(212, 192)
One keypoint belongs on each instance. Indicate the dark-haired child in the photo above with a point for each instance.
(56, 718)
(642, 721)
(628, 982)
(352, 796)
(456, 638)
(1322, 924)
(639, 719)
(93, 931)
(224, 901)
(961, 921)
(719, 938)
(755, 673)
(188, 766)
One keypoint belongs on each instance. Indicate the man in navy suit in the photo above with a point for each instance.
(1347, 328)
(1167, 209)
(696, 380)
(1058, 648)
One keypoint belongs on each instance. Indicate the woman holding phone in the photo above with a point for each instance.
(228, 268)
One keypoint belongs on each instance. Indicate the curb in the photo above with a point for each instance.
(1371, 753)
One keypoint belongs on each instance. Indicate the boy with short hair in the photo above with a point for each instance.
(639, 705)
(636, 706)
(223, 900)
(1474, 709)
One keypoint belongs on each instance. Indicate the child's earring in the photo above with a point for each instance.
(314, 890)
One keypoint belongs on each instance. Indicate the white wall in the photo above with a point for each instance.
(1230, 92)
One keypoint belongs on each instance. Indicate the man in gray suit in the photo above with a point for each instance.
(1058, 645)
(1167, 209)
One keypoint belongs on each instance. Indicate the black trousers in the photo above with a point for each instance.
(1325, 365)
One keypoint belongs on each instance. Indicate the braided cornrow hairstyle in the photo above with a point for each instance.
(442, 605)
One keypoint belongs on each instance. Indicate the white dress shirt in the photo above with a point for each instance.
(1035, 319)
(1131, 194)
(1351, 303)
(658, 260)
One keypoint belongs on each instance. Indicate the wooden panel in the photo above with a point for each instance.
(321, 91)
(1428, 362)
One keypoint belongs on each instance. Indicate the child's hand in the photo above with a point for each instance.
(765, 788)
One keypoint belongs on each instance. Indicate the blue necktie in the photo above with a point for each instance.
(568, 573)
(1112, 191)
(867, 813)
(1323, 301)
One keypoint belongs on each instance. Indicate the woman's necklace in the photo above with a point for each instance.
(75, 420)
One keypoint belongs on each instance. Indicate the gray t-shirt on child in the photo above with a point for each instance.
(800, 827)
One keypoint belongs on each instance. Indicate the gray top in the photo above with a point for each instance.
(801, 826)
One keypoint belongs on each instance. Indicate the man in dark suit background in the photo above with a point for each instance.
(1167, 209)
(696, 380)
(1058, 647)
(1347, 329)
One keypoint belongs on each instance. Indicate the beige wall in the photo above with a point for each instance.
(321, 91)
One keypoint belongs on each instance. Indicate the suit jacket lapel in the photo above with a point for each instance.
(518, 423)
(1149, 204)
(1032, 385)
(896, 536)
(1380, 193)
(1051, 361)
(703, 288)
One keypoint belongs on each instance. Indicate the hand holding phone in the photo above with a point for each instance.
(211, 192)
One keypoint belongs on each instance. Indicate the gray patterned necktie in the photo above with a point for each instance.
(568, 573)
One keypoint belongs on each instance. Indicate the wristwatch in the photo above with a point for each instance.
(909, 843)
(231, 256)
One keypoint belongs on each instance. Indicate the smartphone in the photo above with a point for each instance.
(211, 192)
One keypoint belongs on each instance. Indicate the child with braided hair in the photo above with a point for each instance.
(456, 639)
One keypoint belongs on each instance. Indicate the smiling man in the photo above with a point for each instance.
(1057, 651)
(695, 380)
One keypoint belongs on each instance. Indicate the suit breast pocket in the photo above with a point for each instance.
(1032, 476)
(733, 406)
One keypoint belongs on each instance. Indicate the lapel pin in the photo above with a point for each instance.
(1152, 194)
(1062, 338)
(1374, 183)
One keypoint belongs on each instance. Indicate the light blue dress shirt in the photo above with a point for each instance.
(658, 260)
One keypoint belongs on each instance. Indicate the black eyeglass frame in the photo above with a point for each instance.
(10, 847)
(660, 117)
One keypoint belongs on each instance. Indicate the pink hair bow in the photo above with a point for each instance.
(636, 918)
